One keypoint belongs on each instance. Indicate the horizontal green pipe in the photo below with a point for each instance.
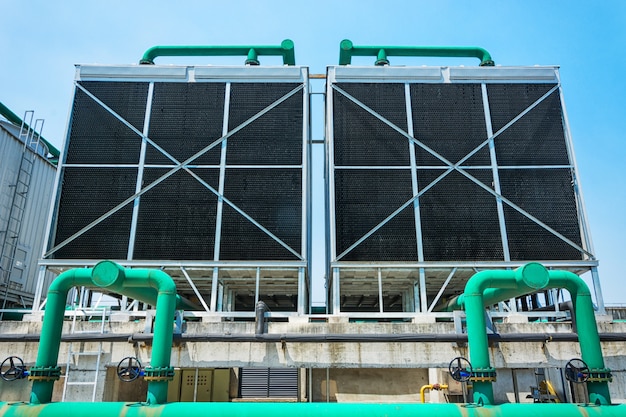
(108, 409)
(15, 119)
(347, 50)
(285, 49)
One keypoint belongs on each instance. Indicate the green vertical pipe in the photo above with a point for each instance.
(239, 409)
(50, 339)
(114, 278)
(587, 329)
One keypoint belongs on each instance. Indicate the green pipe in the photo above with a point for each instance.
(489, 287)
(13, 118)
(231, 409)
(347, 50)
(285, 49)
(138, 283)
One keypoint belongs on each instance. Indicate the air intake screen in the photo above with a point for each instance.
(174, 211)
(380, 166)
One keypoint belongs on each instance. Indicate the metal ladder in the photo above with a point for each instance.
(31, 137)
(73, 355)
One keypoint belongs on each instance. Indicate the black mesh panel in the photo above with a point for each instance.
(450, 120)
(361, 139)
(548, 195)
(186, 118)
(537, 138)
(459, 218)
(273, 198)
(86, 195)
(177, 217)
(99, 137)
(363, 199)
(275, 138)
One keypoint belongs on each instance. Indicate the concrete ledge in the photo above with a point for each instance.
(516, 318)
(211, 319)
(33, 317)
(424, 319)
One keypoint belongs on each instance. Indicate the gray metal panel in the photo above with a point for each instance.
(37, 205)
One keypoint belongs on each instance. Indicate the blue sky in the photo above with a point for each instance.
(42, 40)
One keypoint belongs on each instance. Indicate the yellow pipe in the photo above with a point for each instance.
(435, 387)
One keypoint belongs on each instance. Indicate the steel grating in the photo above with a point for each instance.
(87, 194)
(449, 119)
(179, 215)
(477, 175)
(364, 199)
(96, 135)
(177, 218)
(185, 118)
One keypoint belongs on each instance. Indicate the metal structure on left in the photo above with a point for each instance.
(26, 182)
(200, 171)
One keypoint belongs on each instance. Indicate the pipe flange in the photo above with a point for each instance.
(483, 375)
(600, 375)
(165, 373)
(44, 373)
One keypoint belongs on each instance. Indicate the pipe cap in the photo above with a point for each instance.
(107, 273)
(534, 275)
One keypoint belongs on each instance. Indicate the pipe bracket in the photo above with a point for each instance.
(44, 373)
(483, 375)
(159, 374)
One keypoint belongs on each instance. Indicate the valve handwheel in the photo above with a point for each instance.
(12, 368)
(460, 369)
(129, 369)
(577, 371)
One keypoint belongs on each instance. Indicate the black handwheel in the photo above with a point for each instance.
(577, 371)
(460, 369)
(129, 369)
(12, 368)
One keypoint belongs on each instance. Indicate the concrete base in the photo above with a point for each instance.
(516, 318)
(119, 317)
(33, 317)
(338, 319)
(422, 319)
(298, 319)
(211, 319)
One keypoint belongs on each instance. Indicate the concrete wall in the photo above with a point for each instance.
(358, 371)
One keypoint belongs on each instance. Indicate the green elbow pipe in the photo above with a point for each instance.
(138, 283)
(347, 50)
(233, 409)
(489, 287)
(285, 50)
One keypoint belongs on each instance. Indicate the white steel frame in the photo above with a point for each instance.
(290, 277)
(437, 279)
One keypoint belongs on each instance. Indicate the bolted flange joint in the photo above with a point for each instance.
(165, 373)
(44, 373)
(600, 375)
(483, 375)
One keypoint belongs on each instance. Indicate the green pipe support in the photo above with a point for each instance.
(285, 49)
(108, 409)
(150, 286)
(15, 119)
(492, 286)
(347, 50)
